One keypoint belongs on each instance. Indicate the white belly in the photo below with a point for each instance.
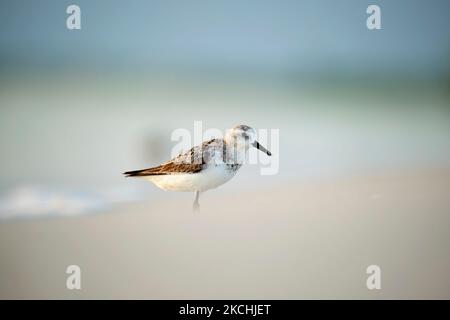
(209, 178)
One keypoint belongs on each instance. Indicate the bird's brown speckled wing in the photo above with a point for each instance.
(192, 161)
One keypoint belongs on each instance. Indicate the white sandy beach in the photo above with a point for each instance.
(291, 242)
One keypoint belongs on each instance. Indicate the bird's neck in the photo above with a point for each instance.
(234, 153)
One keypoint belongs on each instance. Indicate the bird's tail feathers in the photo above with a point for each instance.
(141, 173)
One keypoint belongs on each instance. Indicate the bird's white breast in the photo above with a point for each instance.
(209, 178)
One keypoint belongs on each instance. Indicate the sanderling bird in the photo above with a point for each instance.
(206, 166)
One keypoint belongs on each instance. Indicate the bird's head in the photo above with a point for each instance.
(242, 137)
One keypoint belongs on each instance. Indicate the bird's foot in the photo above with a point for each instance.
(196, 207)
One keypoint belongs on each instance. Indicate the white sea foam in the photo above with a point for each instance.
(37, 201)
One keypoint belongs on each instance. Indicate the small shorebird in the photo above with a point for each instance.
(204, 167)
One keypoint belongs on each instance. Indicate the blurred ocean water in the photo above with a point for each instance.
(80, 133)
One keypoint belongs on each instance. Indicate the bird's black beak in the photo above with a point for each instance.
(260, 147)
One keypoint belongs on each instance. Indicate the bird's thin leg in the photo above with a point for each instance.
(196, 206)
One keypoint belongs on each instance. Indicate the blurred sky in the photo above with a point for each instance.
(240, 36)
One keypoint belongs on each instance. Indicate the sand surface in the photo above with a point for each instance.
(289, 242)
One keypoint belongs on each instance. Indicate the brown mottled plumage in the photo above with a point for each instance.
(192, 161)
